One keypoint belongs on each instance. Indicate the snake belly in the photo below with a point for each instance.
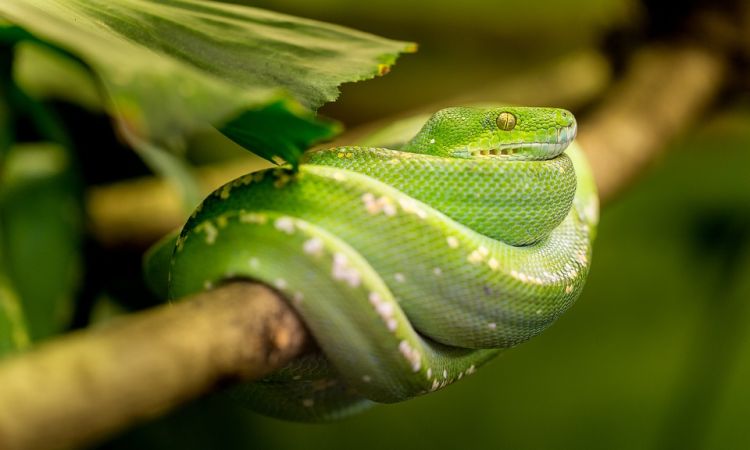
(409, 269)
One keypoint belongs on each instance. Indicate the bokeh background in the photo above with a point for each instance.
(656, 352)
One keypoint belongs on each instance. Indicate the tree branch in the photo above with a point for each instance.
(665, 90)
(86, 385)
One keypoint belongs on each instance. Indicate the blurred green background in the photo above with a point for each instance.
(655, 354)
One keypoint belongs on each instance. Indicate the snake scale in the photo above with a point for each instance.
(411, 261)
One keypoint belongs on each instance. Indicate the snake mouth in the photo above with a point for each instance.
(529, 150)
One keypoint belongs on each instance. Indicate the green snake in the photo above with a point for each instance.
(411, 261)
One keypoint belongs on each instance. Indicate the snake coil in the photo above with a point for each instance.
(411, 265)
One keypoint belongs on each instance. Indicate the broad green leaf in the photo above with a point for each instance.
(173, 67)
(45, 73)
(13, 333)
(6, 120)
(40, 237)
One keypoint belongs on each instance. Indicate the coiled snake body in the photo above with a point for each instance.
(411, 265)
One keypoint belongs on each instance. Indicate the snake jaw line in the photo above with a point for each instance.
(523, 150)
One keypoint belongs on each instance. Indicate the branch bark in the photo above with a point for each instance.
(665, 90)
(92, 383)
(86, 385)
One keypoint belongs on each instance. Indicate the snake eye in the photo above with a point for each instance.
(506, 121)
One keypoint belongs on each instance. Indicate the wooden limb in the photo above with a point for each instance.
(665, 92)
(84, 386)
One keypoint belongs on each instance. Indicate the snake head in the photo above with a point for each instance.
(506, 132)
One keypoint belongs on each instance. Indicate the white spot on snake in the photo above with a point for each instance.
(282, 179)
(582, 258)
(410, 206)
(375, 298)
(538, 312)
(460, 375)
(492, 325)
(569, 289)
(534, 279)
(432, 141)
(285, 224)
(338, 176)
(411, 354)
(475, 257)
(429, 373)
(384, 309)
(210, 230)
(197, 211)
(399, 277)
(437, 271)
(308, 403)
(251, 217)
(298, 297)
(471, 370)
(181, 242)
(366, 378)
(452, 241)
(243, 181)
(435, 385)
(445, 373)
(280, 283)
(493, 263)
(342, 271)
(375, 205)
(254, 262)
(225, 191)
(523, 277)
(313, 246)
(258, 176)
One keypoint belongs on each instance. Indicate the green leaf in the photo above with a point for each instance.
(44, 73)
(174, 67)
(265, 128)
(13, 333)
(40, 235)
